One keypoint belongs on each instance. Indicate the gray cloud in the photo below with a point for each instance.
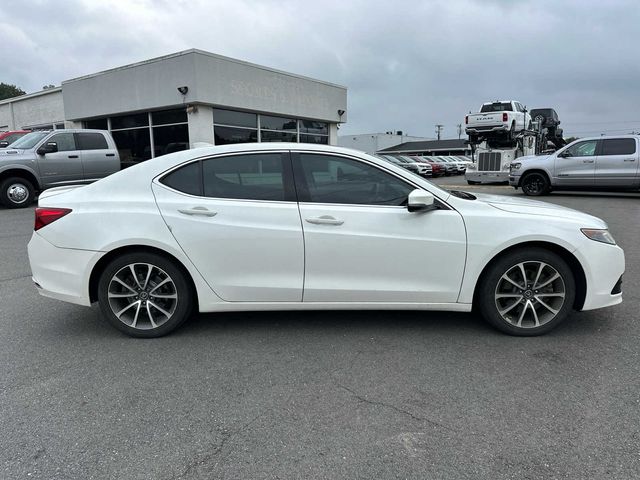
(408, 65)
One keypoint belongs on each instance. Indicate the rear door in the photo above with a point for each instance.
(576, 165)
(64, 166)
(236, 218)
(98, 160)
(617, 163)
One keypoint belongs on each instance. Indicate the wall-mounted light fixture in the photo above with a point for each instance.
(183, 90)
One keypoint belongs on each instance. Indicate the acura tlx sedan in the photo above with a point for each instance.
(297, 227)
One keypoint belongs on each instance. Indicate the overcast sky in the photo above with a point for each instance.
(407, 65)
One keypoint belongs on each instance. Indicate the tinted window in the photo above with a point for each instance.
(249, 177)
(322, 139)
(134, 146)
(185, 179)
(130, 121)
(92, 141)
(169, 139)
(310, 126)
(267, 136)
(226, 135)
(329, 179)
(618, 146)
(236, 119)
(496, 107)
(277, 123)
(169, 116)
(97, 124)
(65, 141)
(583, 149)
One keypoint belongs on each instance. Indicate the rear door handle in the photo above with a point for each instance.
(111, 154)
(629, 159)
(73, 156)
(587, 161)
(198, 211)
(325, 220)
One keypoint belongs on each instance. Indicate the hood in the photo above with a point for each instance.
(529, 158)
(534, 207)
(11, 151)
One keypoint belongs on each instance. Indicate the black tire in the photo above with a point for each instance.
(535, 184)
(472, 182)
(16, 192)
(512, 132)
(492, 283)
(154, 291)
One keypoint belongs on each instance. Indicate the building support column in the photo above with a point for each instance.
(200, 125)
(333, 134)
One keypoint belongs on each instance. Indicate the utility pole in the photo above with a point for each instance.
(459, 130)
(439, 128)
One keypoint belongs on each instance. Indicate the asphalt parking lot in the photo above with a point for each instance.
(367, 395)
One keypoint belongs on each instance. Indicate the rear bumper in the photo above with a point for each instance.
(61, 273)
(487, 128)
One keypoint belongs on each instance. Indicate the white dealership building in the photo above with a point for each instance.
(170, 103)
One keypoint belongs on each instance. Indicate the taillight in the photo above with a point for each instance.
(45, 216)
(466, 119)
(505, 117)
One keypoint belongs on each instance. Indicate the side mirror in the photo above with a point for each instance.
(4, 144)
(565, 154)
(49, 147)
(420, 201)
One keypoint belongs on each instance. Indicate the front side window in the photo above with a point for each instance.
(65, 141)
(330, 179)
(582, 149)
(618, 146)
(246, 177)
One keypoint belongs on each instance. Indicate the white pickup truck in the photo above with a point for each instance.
(501, 118)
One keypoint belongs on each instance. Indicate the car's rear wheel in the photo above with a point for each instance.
(144, 295)
(527, 292)
(16, 192)
(535, 184)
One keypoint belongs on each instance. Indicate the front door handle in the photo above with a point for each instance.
(199, 211)
(587, 161)
(629, 159)
(73, 156)
(325, 220)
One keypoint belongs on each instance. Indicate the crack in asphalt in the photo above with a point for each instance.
(216, 450)
(395, 408)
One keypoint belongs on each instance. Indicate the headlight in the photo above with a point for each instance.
(599, 235)
(516, 166)
(471, 166)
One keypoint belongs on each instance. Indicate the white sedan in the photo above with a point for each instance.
(297, 227)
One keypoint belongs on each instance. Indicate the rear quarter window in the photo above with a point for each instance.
(187, 179)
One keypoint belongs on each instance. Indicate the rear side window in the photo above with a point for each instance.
(185, 179)
(246, 177)
(91, 141)
(618, 146)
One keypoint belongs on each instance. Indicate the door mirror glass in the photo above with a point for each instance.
(420, 201)
(49, 147)
(564, 154)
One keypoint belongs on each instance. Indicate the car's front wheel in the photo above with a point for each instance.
(535, 184)
(527, 292)
(16, 192)
(144, 295)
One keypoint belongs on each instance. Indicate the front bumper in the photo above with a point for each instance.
(603, 266)
(514, 180)
(486, 177)
(61, 273)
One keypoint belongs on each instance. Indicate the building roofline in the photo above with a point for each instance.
(31, 95)
(208, 54)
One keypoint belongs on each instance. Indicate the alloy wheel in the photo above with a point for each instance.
(142, 296)
(530, 294)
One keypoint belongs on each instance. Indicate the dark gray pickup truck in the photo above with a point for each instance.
(54, 158)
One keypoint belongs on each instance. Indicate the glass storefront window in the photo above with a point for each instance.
(277, 123)
(165, 117)
(235, 119)
(227, 135)
(320, 139)
(134, 146)
(98, 124)
(310, 126)
(130, 121)
(170, 139)
(268, 136)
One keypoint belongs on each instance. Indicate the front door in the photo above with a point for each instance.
(363, 245)
(237, 220)
(64, 166)
(617, 163)
(576, 165)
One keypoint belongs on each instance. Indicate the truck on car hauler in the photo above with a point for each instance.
(493, 149)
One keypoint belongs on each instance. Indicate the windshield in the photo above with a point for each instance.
(29, 140)
(496, 107)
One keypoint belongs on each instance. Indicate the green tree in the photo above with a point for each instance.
(9, 91)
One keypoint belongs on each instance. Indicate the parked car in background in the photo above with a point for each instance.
(52, 158)
(8, 137)
(597, 162)
(411, 165)
(449, 168)
(438, 169)
(457, 166)
(296, 227)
